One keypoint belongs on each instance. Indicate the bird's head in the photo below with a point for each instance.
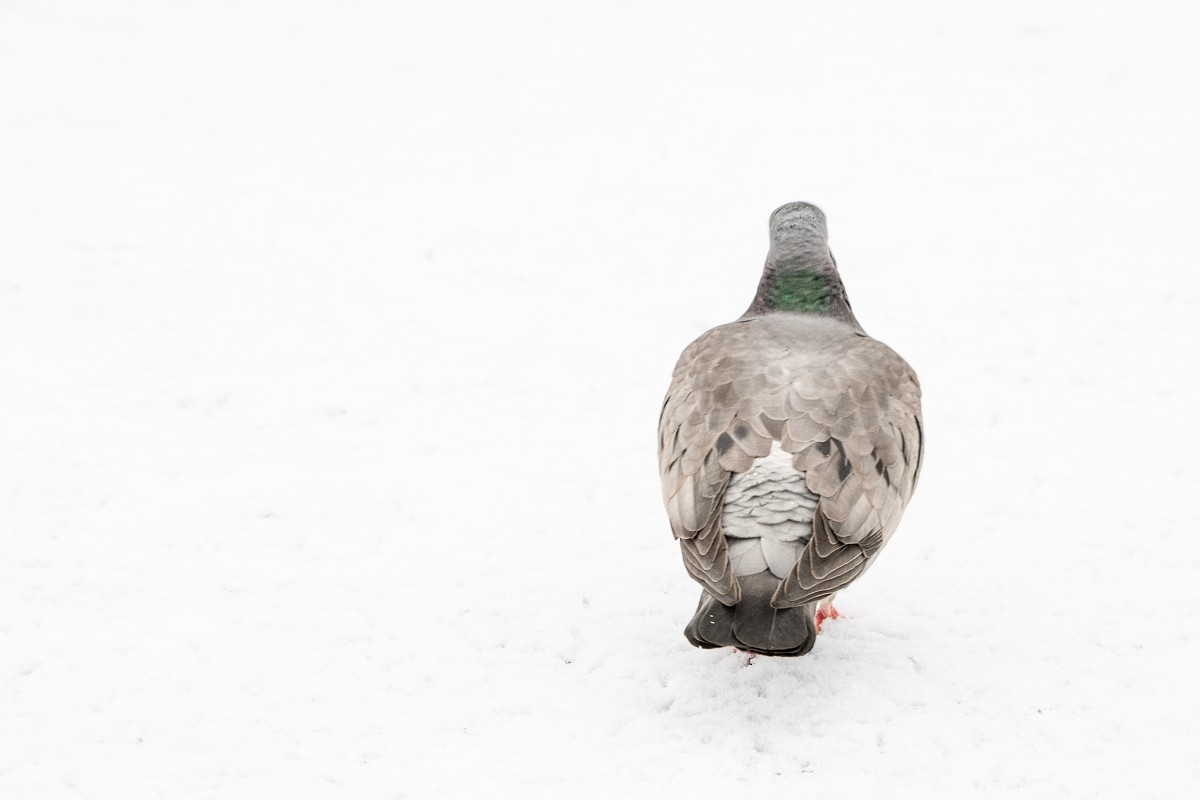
(798, 231)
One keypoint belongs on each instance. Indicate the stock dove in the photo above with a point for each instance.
(789, 445)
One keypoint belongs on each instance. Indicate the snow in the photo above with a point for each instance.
(334, 337)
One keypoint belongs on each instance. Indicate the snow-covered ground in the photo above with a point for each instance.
(333, 338)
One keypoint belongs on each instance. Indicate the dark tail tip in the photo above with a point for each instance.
(752, 624)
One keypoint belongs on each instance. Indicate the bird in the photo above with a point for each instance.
(790, 443)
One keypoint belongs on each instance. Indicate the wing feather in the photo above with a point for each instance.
(844, 405)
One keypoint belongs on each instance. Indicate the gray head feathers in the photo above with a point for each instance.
(798, 228)
(798, 231)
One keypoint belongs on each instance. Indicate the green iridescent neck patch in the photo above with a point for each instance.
(800, 291)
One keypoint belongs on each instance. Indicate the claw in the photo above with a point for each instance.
(824, 613)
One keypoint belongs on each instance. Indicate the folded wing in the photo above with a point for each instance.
(844, 405)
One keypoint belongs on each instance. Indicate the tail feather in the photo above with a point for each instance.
(753, 624)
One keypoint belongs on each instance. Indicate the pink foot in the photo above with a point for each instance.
(824, 613)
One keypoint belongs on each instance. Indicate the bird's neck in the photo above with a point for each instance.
(802, 286)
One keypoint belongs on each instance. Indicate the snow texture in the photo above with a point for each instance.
(334, 335)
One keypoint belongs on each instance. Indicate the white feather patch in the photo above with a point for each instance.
(767, 515)
(746, 555)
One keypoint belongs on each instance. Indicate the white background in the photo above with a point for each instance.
(333, 338)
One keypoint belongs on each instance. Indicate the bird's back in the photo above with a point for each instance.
(777, 427)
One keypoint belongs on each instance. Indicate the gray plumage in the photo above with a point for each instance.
(789, 444)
